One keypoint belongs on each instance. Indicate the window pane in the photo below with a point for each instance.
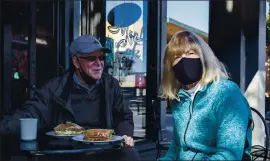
(17, 15)
(46, 44)
(126, 36)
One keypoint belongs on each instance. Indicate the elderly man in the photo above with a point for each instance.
(84, 95)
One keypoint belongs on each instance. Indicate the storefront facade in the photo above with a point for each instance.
(35, 42)
(35, 39)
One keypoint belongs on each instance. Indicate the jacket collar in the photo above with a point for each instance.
(88, 88)
(184, 94)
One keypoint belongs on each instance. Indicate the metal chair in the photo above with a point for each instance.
(260, 151)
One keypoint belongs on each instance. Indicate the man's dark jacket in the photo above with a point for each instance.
(51, 105)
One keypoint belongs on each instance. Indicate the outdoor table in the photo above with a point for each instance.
(12, 146)
(139, 101)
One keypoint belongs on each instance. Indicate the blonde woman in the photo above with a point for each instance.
(211, 116)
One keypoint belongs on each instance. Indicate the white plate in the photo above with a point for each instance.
(114, 139)
(52, 133)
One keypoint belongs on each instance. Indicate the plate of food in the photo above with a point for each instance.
(68, 129)
(98, 136)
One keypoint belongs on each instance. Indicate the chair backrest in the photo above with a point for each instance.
(266, 135)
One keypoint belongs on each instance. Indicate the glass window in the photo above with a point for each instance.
(126, 27)
(46, 42)
(17, 15)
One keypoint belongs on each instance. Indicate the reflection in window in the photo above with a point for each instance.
(20, 73)
(18, 16)
(20, 63)
(46, 48)
(126, 36)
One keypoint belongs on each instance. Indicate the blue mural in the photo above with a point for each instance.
(125, 32)
(124, 15)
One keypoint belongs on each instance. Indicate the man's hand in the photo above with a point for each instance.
(129, 142)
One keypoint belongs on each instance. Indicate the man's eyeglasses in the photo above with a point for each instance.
(94, 58)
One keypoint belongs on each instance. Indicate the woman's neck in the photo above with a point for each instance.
(189, 86)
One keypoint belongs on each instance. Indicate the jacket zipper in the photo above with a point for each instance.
(190, 116)
(194, 155)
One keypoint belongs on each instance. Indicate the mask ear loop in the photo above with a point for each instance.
(81, 72)
(79, 69)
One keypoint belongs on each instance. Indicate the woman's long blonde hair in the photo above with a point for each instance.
(213, 69)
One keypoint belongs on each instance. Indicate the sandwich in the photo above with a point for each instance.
(68, 129)
(98, 134)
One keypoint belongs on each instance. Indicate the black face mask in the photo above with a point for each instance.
(188, 70)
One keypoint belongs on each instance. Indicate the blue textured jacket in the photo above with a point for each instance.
(214, 126)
